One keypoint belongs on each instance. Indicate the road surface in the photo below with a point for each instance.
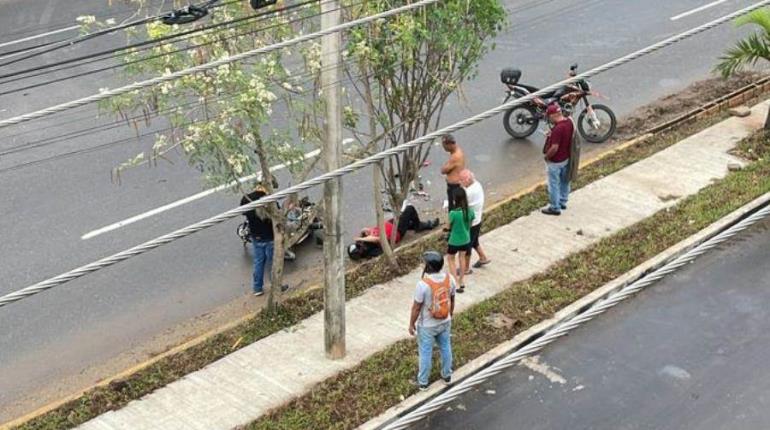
(52, 195)
(689, 352)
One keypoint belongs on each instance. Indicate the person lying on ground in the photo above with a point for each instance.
(367, 244)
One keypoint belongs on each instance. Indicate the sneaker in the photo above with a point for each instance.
(419, 386)
(461, 289)
(479, 264)
(564, 207)
(448, 379)
(549, 211)
(258, 293)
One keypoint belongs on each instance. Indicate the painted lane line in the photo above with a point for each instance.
(697, 9)
(186, 200)
(38, 36)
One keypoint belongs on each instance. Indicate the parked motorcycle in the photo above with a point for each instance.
(596, 122)
(302, 221)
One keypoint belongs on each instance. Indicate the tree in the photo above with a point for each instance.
(404, 69)
(224, 121)
(749, 50)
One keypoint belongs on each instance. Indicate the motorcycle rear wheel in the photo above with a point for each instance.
(521, 121)
(607, 124)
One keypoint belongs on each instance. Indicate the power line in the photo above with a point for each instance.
(208, 66)
(141, 60)
(111, 51)
(357, 165)
(167, 16)
(56, 26)
(124, 123)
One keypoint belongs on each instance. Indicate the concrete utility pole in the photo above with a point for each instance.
(334, 249)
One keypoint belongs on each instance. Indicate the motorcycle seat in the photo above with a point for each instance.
(529, 88)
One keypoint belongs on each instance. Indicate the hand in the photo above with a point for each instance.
(411, 330)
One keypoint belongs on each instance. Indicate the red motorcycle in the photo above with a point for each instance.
(596, 122)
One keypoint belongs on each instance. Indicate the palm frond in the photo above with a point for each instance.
(747, 51)
(759, 17)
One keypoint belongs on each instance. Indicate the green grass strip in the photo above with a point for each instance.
(294, 309)
(382, 381)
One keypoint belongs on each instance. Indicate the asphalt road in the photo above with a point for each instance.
(689, 352)
(53, 194)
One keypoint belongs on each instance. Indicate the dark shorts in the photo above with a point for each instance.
(452, 249)
(475, 232)
(450, 194)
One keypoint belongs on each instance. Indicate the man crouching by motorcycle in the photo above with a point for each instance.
(367, 244)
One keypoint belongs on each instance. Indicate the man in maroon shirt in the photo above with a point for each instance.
(557, 153)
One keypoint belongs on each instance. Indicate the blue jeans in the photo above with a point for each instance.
(558, 184)
(263, 257)
(426, 336)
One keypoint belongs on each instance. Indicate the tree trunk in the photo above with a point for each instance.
(386, 247)
(276, 271)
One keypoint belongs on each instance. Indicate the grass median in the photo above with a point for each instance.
(383, 380)
(294, 309)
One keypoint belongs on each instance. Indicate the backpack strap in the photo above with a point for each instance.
(431, 283)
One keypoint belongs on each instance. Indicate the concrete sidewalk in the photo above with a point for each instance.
(244, 385)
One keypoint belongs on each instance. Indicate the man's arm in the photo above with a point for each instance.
(450, 164)
(557, 134)
(416, 308)
(370, 239)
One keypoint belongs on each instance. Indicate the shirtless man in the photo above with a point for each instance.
(452, 168)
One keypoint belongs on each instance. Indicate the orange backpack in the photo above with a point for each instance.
(441, 301)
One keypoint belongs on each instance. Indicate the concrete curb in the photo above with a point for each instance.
(571, 310)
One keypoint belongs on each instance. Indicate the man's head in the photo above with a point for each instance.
(553, 112)
(434, 261)
(467, 178)
(449, 143)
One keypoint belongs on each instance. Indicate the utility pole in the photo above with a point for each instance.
(334, 249)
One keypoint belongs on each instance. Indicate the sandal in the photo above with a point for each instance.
(479, 264)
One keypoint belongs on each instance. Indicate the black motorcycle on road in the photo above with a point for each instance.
(596, 122)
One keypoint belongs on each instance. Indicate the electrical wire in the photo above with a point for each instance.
(121, 123)
(142, 43)
(53, 46)
(57, 25)
(357, 165)
(209, 66)
(141, 60)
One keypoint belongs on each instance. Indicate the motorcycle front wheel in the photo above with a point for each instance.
(521, 121)
(599, 127)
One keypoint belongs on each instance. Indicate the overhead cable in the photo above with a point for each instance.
(360, 164)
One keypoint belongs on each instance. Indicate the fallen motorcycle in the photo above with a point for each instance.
(596, 123)
(302, 221)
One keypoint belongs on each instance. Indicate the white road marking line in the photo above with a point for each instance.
(38, 36)
(186, 200)
(697, 9)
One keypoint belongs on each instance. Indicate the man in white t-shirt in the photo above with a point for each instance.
(432, 322)
(475, 193)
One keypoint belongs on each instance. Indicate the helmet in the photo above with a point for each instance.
(510, 76)
(434, 261)
(355, 252)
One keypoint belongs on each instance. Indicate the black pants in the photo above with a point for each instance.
(450, 194)
(409, 220)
